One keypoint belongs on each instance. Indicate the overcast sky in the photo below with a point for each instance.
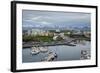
(32, 18)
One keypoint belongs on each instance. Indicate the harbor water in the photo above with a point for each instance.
(64, 53)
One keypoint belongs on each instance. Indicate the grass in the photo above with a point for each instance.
(38, 38)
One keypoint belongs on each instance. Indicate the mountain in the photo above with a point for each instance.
(61, 26)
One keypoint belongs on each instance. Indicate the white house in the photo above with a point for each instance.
(55, 37)
(29, 32)
(38, 32)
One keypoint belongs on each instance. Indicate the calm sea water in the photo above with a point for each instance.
(63, 52)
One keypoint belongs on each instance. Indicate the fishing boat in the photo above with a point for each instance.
(35, 50)
(85, 54)
(43, 49)
(51, 56)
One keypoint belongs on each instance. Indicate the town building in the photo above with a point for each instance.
(38, 32)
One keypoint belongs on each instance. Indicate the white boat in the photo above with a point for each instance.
(85, 54)
(35, 50)
(51, 56)
(43, 49)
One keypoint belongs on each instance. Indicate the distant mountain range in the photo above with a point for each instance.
(81, 26)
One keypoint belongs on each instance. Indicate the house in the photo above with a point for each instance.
(55, 37)
(39, 32)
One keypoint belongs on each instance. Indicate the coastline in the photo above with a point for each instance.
(28, 45)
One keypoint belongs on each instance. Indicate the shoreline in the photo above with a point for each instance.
(27, 45)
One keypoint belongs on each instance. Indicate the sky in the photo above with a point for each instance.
(53, 19)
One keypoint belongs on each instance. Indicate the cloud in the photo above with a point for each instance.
(44, 22)
(55, 19)
(27, 25)
(27, 20)
(36, 18)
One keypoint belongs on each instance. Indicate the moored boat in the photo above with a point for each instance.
(51, 56)
(35, 50)
(43, 49)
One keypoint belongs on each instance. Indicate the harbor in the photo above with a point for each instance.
(55, 36)
(55, 53)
